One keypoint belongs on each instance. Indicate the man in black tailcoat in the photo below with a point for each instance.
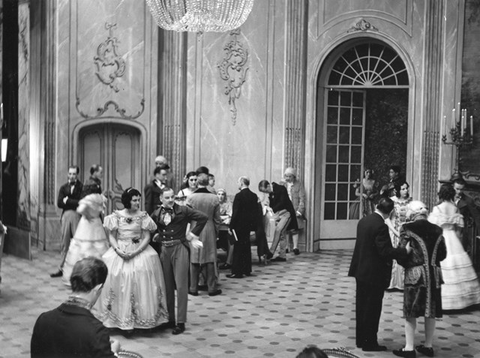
(372, 268)
(244, 220)
(284, 215)
(470, 211)
(68, 198)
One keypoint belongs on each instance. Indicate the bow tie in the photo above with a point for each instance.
(167, 210)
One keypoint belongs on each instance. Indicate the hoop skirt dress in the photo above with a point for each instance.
(133, 295)
(461, 287)
(90, 238)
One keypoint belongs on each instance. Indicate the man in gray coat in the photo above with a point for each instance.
(206, 202)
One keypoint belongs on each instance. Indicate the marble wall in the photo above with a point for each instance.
(106, 55)
(23, 208)
(230, 96)
(239, 133)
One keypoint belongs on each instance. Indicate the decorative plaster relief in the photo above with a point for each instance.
(233, 71)
(362, 25)
(326, 14)
(109, 64)
(110, 76)
(116, 107)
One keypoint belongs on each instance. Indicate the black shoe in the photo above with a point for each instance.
(59, 273)
(193, 293)
(428, 351)
(202, 288)
(215, 293)
(179, 328)
(403, 353)
(225, 266)
(296, 251)
(376, 348)
(269, 255)
(279, 259)
(233, 275)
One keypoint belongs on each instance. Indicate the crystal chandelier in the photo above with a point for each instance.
(200, 15)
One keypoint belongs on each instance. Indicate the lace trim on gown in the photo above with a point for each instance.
(112, 221)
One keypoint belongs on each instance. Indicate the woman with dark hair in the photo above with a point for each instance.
(188, 187)
(388, 190)
(134, 293)
(366, 192)
(312, 351)
(461, 288)
(397, 218)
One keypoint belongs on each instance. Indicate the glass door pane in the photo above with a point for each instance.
(344, 133)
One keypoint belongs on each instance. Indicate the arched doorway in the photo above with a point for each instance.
(362, 119)
(116, 147)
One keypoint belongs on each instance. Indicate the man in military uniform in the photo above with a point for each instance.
(172, 220)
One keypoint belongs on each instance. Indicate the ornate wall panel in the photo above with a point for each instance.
(110, 59)
(237, 128)
(324, 14)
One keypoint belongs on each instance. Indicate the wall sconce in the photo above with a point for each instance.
(460, 136)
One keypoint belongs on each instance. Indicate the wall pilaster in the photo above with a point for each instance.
(433, 73)
(295, 84)
(172, 99)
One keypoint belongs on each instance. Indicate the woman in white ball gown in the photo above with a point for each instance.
(461, 288)
(133, 295)
(90, 238)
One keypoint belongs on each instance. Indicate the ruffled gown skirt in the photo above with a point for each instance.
(90, 239)
(134, 293)
(398, 272)
(461, 287)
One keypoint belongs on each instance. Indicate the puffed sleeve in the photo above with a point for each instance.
(434, 217)
(148, 223)
(111, 222)
(458, 220)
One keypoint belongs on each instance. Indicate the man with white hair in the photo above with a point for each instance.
(296, 193)
(422, 291)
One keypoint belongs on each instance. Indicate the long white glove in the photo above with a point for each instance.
(196, 243)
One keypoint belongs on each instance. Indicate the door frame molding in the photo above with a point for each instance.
(315, 103)
(127, 123)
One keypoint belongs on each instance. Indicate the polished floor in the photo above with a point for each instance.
(284, 307)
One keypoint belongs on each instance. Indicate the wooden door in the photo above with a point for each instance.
(116, 148)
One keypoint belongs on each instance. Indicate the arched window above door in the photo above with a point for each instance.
(369, 65)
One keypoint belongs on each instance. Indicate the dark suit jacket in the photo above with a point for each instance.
(279, 200)
(373, 253)
(176, 229)
(152, 197)
(73, 198)
(92, 186)
(468, 209)
(70, 331)
(245, 211)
